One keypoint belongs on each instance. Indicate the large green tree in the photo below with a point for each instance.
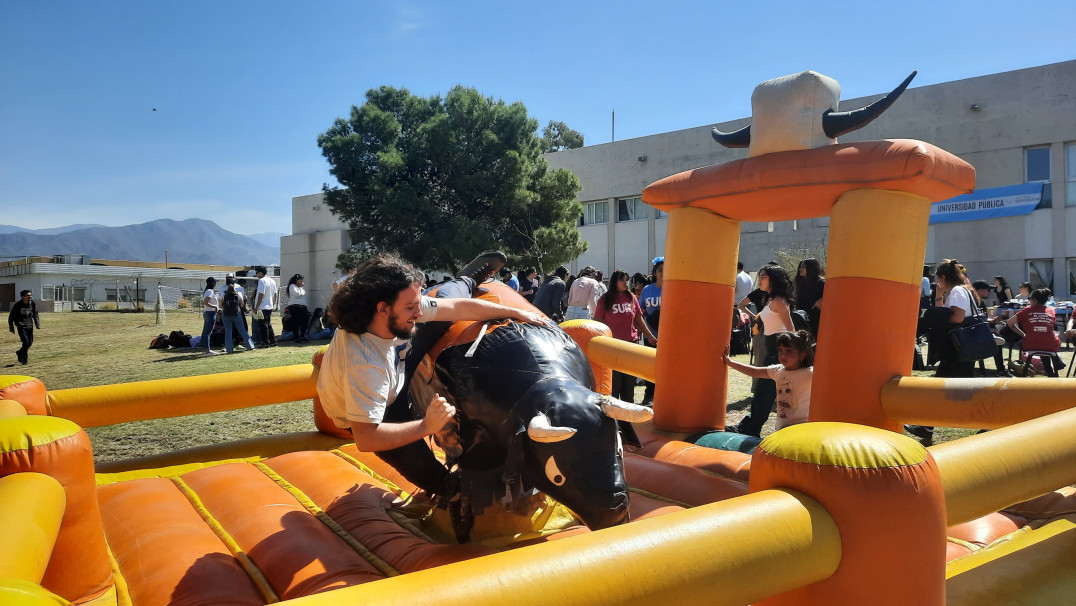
(556, 136)
(440, 179)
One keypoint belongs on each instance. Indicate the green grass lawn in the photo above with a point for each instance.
(98, 348)
(79, 349)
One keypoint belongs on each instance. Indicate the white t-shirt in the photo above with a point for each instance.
(960, 297)
(266, 287)
(743, 286)
(362, 374)
(296, 295)
(793, 394)
(213, 301)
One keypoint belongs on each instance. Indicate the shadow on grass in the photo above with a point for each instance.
(744, 404)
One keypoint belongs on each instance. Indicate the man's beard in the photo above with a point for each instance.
(399, 329)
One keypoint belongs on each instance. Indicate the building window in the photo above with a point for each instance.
(595, 213)
(664, 215)
(1040, 272)
(1037, 170)
(631, 209)
(1070, 175)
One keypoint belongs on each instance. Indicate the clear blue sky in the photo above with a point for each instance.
(242, 88)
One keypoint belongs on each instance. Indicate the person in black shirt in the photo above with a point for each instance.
(24, 316)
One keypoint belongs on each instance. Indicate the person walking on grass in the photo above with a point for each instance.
(23, 317)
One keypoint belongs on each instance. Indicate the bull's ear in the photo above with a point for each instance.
(625, 411)
(540, 430)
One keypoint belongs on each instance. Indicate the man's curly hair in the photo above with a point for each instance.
(377, 280)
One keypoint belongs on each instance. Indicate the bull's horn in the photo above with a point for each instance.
(836, 124)
(540, 430)
(625, 411)
(737, 138)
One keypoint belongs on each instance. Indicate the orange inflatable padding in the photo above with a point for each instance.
(723, 463)
(881, 489)
(582, 331)
(956, 549)
(28, 391)
(164, 398)
(801, 184)
(382, 470)
(987, 529)
(357, 502)
(642, 506)
(684, 485)
(692, 382)
(263, 447)
(11, 408)
(1060, 502)
(325, 425)
(79, 568)
(166, 552)
(849, 372)
(464, 331)
(1031, 567)
(296, 552)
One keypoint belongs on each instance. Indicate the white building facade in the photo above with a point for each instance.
(1015, 127)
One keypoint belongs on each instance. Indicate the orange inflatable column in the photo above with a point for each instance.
(79, 569)
(884, 493)
(28, 391)
(877, 240)
(582, 331)
(696, 320)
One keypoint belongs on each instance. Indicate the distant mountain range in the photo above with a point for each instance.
(189, 241)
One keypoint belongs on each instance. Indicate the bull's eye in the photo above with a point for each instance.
(553, 472)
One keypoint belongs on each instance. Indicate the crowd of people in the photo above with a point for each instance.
(781, 312)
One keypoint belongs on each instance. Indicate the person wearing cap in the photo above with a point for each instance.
(300, 316)
(651, 303)
(23, 316)
(551, 294)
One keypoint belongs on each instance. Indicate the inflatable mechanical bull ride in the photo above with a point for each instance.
(528, 421)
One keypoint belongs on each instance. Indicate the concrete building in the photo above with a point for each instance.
(1015, 128)
(69, 282)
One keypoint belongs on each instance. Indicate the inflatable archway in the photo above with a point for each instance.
(840, 510)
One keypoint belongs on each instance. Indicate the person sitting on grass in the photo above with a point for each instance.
(793, 374)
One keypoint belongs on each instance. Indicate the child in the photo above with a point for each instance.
(793, 375)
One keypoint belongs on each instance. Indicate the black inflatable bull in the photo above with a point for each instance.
(526, 413)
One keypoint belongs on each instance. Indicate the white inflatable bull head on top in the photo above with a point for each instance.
(800, 112)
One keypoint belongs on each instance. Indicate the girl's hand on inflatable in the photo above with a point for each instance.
(725, 356)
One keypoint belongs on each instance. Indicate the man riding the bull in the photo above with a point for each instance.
(364, 375)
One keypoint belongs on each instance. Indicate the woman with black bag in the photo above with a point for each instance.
(953, 304)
